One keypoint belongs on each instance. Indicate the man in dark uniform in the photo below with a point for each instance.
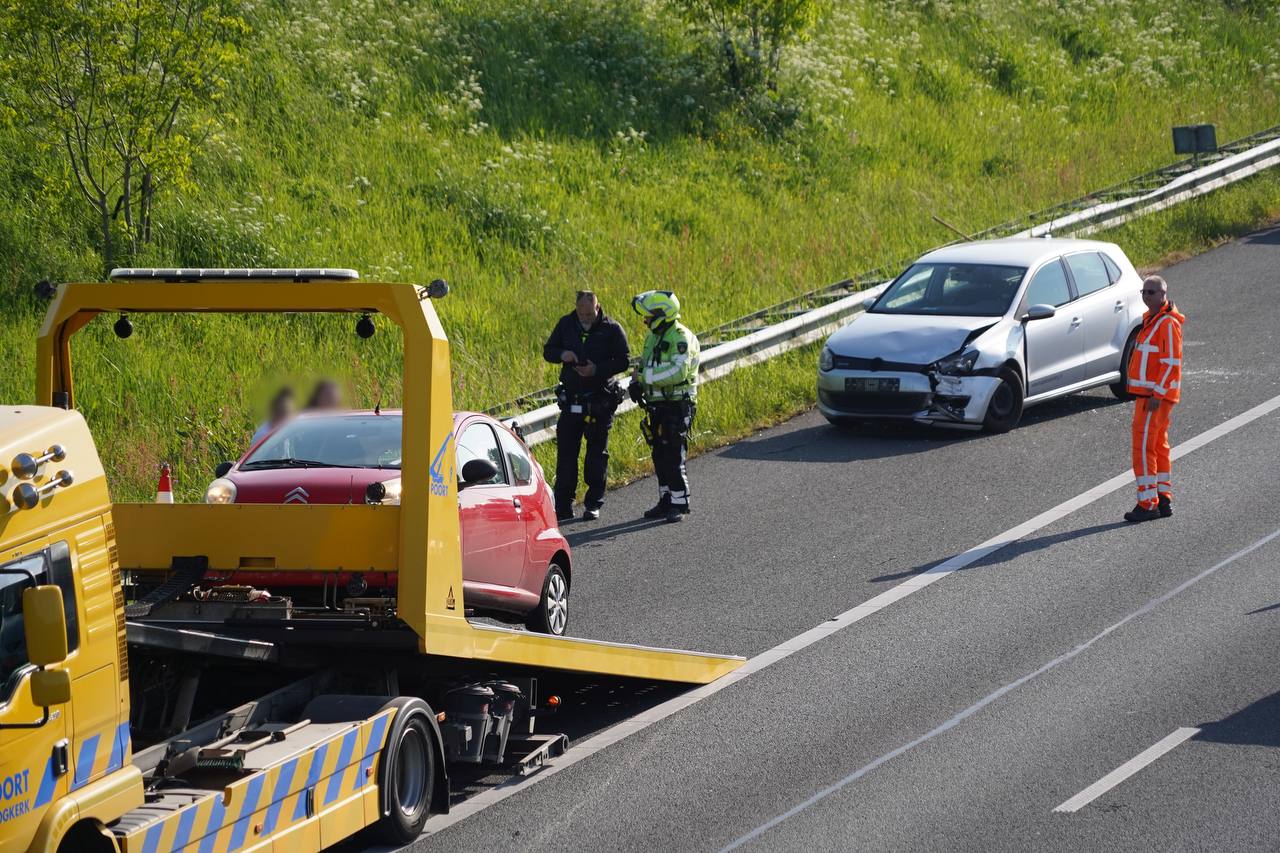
(591, 349)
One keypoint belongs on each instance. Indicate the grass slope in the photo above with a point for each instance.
(524, 150)
(769, 393)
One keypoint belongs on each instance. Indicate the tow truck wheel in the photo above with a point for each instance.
(552, 613)
(88, 836)
(407, 774)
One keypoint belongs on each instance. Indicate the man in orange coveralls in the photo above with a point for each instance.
(1155, 379)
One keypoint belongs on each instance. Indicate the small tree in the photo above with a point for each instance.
(750, 34)
(115, 87)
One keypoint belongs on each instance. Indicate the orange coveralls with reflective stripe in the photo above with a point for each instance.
(1155, 370)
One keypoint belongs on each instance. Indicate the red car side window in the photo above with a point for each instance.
(478, 442)
(517, 458)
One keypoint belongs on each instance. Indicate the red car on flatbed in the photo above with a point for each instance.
(515, 561)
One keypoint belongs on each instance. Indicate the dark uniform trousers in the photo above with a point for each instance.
(570, 430)
(671, 422)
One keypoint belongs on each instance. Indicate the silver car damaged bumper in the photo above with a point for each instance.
(921, 397)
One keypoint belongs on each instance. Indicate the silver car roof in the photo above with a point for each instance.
(1023, 253)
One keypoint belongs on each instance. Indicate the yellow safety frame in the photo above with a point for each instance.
(430, 566)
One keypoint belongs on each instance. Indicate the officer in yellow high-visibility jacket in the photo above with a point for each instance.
(666, 383)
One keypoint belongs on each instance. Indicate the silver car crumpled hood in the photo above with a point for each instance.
(906, 338)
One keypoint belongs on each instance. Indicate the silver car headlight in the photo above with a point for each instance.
(384, 493)
(827, 360)
(220, 491)
(960, 364)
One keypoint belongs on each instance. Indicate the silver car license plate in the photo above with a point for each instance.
(865, 385)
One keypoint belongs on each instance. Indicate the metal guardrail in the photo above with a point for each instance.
(810, 316)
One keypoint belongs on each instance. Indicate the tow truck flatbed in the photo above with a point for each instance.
(123, 654)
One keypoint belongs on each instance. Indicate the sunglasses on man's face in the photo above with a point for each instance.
(1150, 292)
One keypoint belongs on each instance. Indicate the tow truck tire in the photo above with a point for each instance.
(1005, 409)
(88, 836)
(407, 772)
(551, 616)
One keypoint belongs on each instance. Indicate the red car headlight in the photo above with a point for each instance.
(220, 491)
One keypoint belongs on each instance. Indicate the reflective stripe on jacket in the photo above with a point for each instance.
(1155, 367)
(669, 366)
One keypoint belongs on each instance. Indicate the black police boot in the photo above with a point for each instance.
(1166, 506)
(1139, 513)
(564, 513)
(677, 513)
(592, 513)
(660, 509)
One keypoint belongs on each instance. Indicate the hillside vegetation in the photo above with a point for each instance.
(523, 150)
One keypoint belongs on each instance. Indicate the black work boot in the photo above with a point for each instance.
(1140, 513)
(564, 513)
(677, 512)
(1165, 506)
(591, 513)
(659, 509)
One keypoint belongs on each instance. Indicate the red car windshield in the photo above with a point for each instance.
(343, 441)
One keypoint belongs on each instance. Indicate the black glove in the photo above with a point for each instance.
(635, 392)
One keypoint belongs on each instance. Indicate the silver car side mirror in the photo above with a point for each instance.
(868, 302)
(1039, 312)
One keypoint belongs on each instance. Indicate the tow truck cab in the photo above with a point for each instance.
(64, 748)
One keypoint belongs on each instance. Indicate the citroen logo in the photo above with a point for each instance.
(297, 496)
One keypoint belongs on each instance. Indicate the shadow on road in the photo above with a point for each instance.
(1270, 237)
(824, 443)
(1257, 724)
(1039, 543)
(585, 535)
(1275, 606)
(1011, 551)
(1075, 404)
(901, 576)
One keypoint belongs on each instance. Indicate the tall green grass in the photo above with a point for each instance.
(525, 150)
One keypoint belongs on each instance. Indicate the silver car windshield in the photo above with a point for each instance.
(952, 290)
(342, 441)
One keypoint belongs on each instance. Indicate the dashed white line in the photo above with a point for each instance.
(856, 614)
(993, 696)
(1124, 771)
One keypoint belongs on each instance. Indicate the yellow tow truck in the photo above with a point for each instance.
(260, 727)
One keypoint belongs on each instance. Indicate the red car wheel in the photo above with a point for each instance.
(552, 613)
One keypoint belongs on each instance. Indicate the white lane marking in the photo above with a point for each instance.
(610, 736)
(993, 696)
(1124, 771)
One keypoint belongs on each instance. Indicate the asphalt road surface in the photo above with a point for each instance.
(1092, 686)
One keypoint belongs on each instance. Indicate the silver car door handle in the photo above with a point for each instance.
(1075, 321)
(1119, 305)
(516, 503)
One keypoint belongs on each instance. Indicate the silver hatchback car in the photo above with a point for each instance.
(973, 333)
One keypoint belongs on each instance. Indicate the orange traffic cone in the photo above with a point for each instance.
(164, 491)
